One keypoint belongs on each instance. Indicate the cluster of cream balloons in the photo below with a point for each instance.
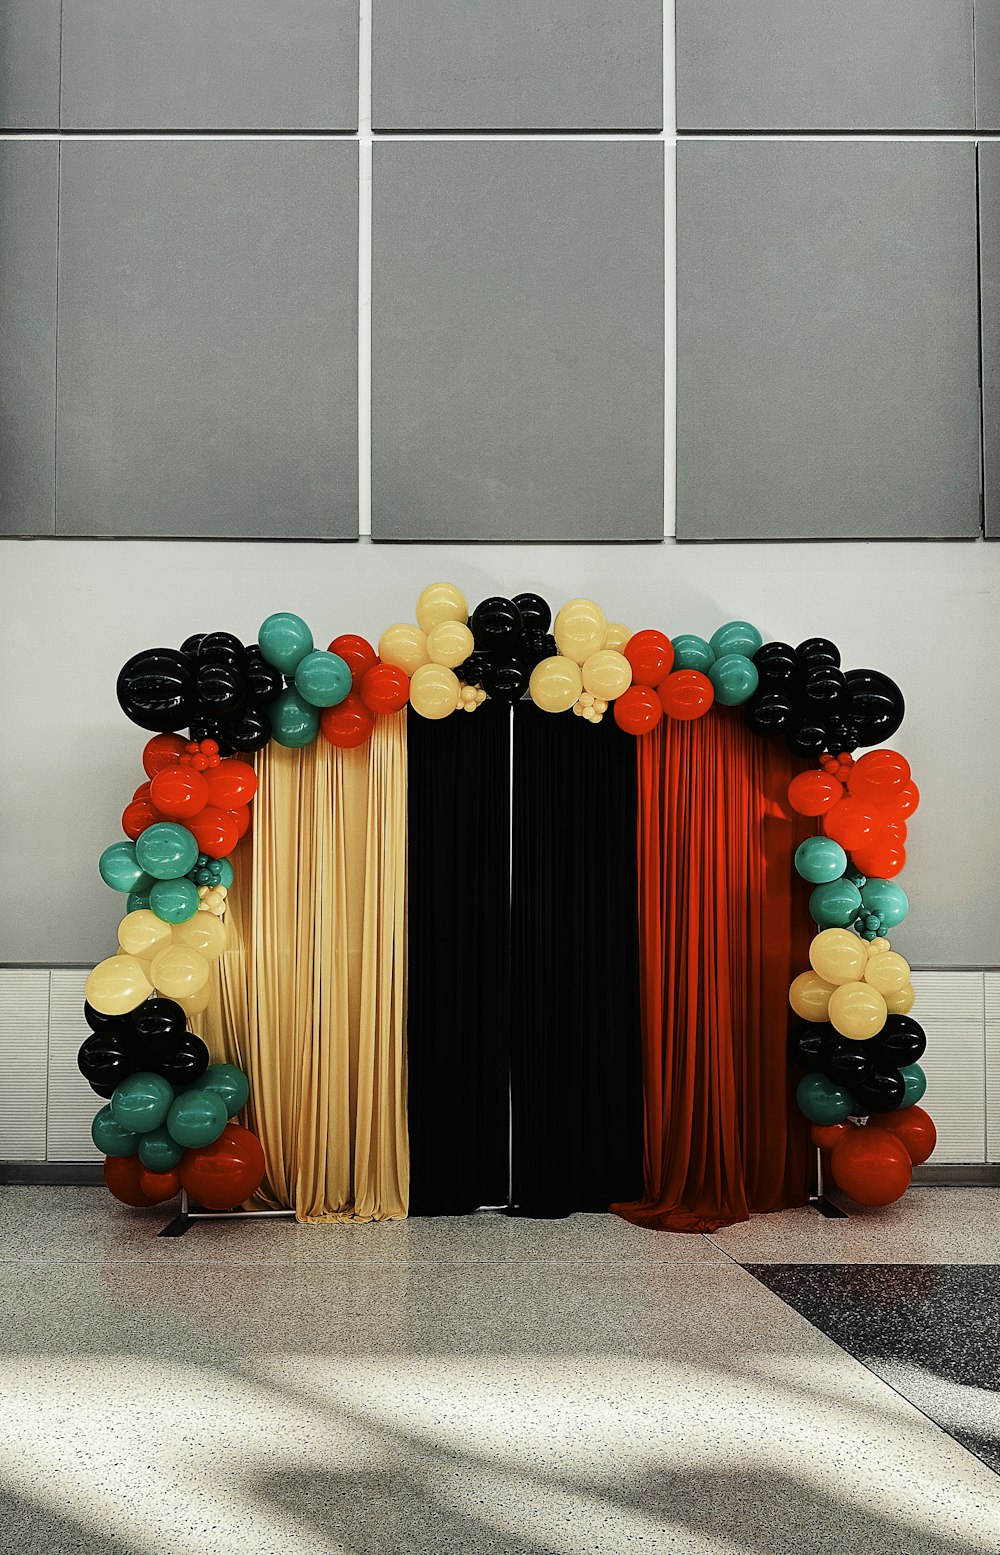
(212, 898)
(172, 959)
(853, 984)
(430, 651)
(589, 665)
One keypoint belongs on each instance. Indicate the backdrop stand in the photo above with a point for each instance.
(821, 1205)
(181, 1223)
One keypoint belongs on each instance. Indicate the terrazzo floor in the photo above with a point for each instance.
(483, 1384)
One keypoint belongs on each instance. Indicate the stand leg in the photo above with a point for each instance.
(821, 1205)
(182, 1222)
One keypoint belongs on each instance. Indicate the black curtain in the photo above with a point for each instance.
(576, 1080)
(458, 1012)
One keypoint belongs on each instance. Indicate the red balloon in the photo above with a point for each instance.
(357, 653)
(215, 831)
(854, 823)
(162, 751)
(638, 710)
(226, 1173)
(241, 818)
(159, 1186)
(879, 776)
(825, 1135)
(142, 792)
(871, 1165)
(913, 1127)
(137, 816)
(385, 688)
(179, 792)
(231, 784)
(686, 694)
(348, 724)
(884, 859)
(902, 805)
(813, 793)
(121, 1177)
(651, 655)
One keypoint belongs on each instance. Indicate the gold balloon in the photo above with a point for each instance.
(404, 646)
(434, 691)
(118, 985)
(857, 1011)
(876, 946)
(555, 684)
(901, 1002)
(197, 1003)
(204, 933)
(888, 972)
(838, 956)
(142, 933)
(809, 996)
(616, 636)
(441, 602)
(179, 971)
(607, 674)
(450, 643)
(579, 629)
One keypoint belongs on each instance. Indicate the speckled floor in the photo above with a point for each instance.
(455, 1387)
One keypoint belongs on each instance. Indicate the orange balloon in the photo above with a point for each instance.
(813, 793)
(162, 751)
(903, 804)
(884, 859)
(852, 822)
(879, 776)
(686, 694)
(638, 710)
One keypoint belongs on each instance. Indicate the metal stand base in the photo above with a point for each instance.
(181, 1223)
(821, 1205)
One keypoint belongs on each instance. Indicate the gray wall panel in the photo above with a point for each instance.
(208, 338)
(517, 341)
(223, 65)
(827, 378)
(29, 64)
(517, 64)
(988, 64)
(989, 216)
(29, 185)
(805, 65)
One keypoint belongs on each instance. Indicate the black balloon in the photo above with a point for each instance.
(813, 1043)
(264, 683)
(824, 690)
(473, 669)
(849, 1065)
(155, 689)
(776, 664)
(496, 623)
(902, 1040)
(106, 1058)
(876, 706)
(220, 689)
(190, 645)
(157, 1021)
(222, 648)
(537, 645)
(878, 1093)
(98, 1022)
(818, 650)
(842, 733)
(250, 730)
(770, 710)
(506, 679)
(536, 613)
(182, 1062)
(806, 736)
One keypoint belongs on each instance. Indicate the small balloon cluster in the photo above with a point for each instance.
(168, 1123)
(863, 806)
(802, 694)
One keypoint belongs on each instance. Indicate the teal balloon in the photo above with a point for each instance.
(819, 859)
(175, 901)
(138, 901)
(197, 1118)
(915, 1082)
(121, 870)
(109, 1136)
(294, 721)
(141, 1102)
(734, 678)
(835, 904)
(821, 1100)
(159, 1152)
(166, 851)
(692, 653)
(226, 873)
(736, 637)
(885, 900)
(228, 1082)
(284, 641)
(323, 679)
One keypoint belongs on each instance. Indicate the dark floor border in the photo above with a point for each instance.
(973, 1175)
(62, 1174)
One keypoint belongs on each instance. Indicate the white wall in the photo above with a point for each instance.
(72, 612)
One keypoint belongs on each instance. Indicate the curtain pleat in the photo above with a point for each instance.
(458, 981)
(576, 1094)
(723, 926)
(310, 993)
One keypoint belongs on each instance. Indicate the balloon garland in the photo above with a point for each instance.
(169, 1119)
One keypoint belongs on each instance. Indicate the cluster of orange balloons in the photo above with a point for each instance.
(863, 805)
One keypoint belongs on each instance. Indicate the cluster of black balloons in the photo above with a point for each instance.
(870, 1070)
(153, 1038)
(511, 637)
(803, 694)
(213, 685)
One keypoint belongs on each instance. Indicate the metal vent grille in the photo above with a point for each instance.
(24, 1023)
(72, 1103)
(992, 981)
(949, 1006)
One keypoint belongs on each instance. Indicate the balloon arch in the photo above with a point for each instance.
(170, 1116)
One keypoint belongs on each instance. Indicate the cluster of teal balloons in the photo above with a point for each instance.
(160, 871)
(842, 896)
(150, 1118)
(319, 679)
(726, 658)
(823, 1100)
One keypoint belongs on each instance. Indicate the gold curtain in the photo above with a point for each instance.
(310, 998)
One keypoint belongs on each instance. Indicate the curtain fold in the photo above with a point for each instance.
(576, 1093)
(723, 927)
(309, 997)
(458, 979)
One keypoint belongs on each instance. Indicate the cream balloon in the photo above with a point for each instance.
(579, 629)
(434, 691)
(607, 674)
(810, 995)
(197, 1003)
(901, 1002)
(616, 636)
(838, 956)
(857, 1011)
(179, 971)
(404, 646)
(441, 602)
(142, 933)
(555, 684)
(204, 933)
(889, 972)
(450, 643)
(118, 985)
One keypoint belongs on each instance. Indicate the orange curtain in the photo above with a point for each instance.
(723, 928)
